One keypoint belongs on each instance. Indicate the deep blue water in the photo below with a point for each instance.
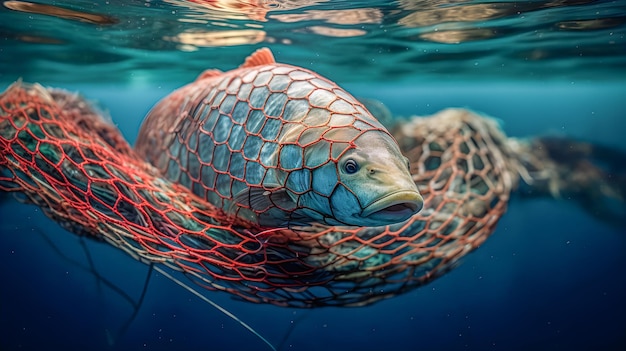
(551, 276)
(549, 279)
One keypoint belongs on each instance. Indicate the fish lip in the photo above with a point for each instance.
(411, 199)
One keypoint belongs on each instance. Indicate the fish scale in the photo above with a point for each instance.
(264, 128)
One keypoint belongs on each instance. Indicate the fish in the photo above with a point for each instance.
(280, 146)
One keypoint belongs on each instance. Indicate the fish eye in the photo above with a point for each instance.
(351, 166)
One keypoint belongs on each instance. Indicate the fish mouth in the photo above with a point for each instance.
(395, 207)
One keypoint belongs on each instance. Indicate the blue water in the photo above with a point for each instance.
(550, 278)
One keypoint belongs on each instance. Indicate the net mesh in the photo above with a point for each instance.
(58, 153)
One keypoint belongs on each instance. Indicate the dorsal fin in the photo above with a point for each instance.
(261, 57)
(209, 73)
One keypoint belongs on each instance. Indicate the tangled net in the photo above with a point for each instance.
(59, 154)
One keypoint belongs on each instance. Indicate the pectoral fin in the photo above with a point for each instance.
(260, 199)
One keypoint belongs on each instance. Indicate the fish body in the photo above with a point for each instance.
(279, 145)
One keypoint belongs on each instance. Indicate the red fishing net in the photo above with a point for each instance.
(62, 156)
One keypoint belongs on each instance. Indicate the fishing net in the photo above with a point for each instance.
(590, 174)
(60, 154)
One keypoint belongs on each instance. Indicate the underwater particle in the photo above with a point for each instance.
(60, 12)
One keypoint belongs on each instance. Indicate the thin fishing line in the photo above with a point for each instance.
(215, 305)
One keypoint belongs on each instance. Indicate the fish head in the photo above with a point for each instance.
(375, 185)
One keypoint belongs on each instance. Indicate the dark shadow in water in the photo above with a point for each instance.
(100, 281)
(294, 325)
(112, 338)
